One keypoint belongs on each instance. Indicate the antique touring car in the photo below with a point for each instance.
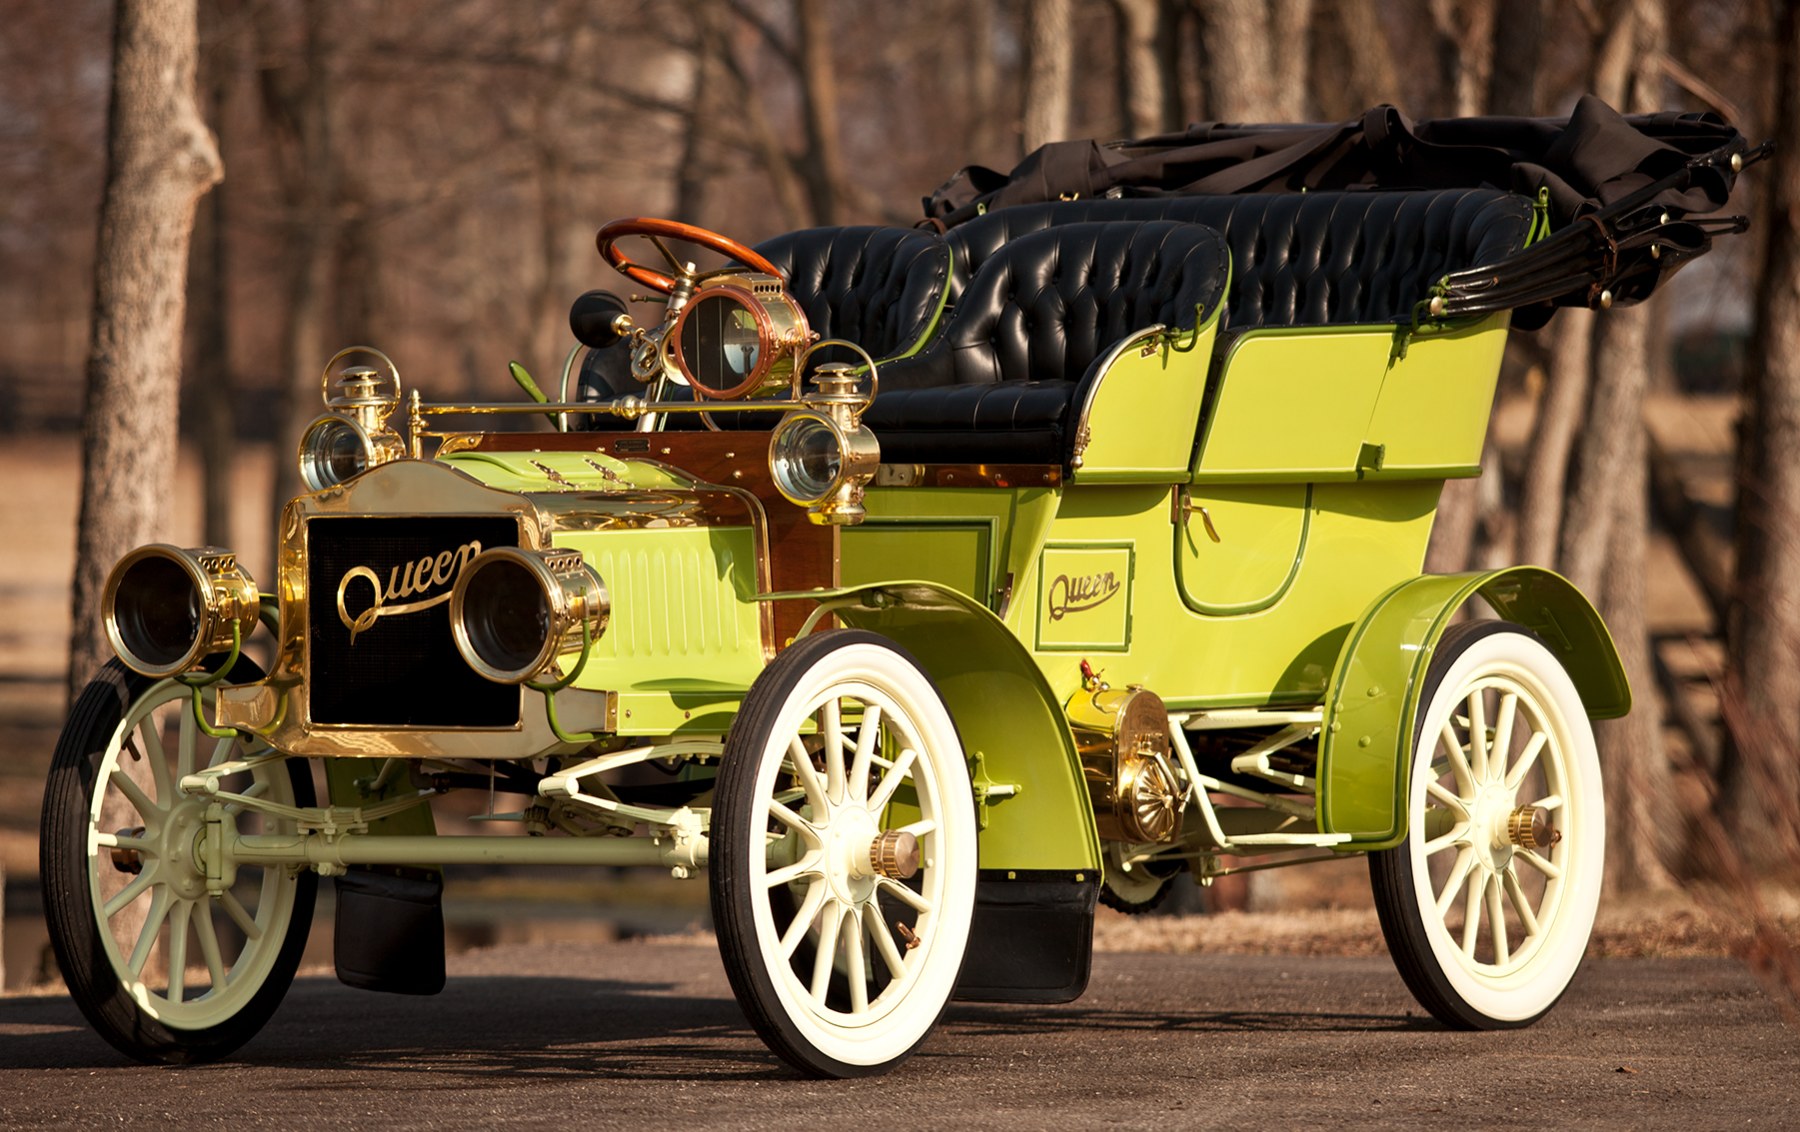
(921, 587)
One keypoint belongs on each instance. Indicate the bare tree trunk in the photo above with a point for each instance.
(780, 164)
(1639, 792)
(823, 168)
(1465, 34)
(1365, 74)
(1518, 46)
(1049, 71)
(1240, 73)
(1763, 638)
(301, 106)
(1553, 436)
(1453, 531)
(1290, 25)
(209, 291)
(160, 159)
(986, 130)
(695, 172)
(1142, 91)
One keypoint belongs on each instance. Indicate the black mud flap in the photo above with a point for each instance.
(1033, 936)
(390, 930)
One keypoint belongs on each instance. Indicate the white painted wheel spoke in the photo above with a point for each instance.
(209, 948)
(790, 873)
(804, 917)
(179, 918)
(240, 915)
(1549, 802)
(155, 755)
(866, 735)
(890, 782)
(1472, 916)
(806, 774)
(221, 752)
(1503, 728)
(1533, 747)
(1497, 922)
(884, 940)
(856, 968)
(1541, 864)
(831, 730)
(188, 744)
(919, 828)
(1458, 835)
(134, 794)
(1449, 800)
(130, 892)
(1459, 873)
(793, 821)
(1515, 894)
(826, 956)
(1459, 762)
(903, 894)
(141, 845)
(1478, 736)
(153, 922)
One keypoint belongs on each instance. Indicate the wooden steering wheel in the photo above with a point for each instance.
(656, 230)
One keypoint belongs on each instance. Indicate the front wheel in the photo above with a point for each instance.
(166, 967)
(1488, 903)
(843, 855)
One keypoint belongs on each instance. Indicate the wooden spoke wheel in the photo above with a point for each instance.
(1488, 903)
(843, 855)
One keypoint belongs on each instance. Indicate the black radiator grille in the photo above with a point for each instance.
(402, 668)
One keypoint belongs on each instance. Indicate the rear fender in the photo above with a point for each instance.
(1365, 748)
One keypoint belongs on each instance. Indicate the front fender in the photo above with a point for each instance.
(1013, 730)
(1365, 747)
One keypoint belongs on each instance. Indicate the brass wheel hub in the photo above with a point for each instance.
(1529, 827)
(895, 854)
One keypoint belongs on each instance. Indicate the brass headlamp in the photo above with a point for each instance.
(355, 436)
(822, 457)
(167, 608)
(514, 612)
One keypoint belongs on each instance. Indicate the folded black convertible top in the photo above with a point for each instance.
(1624, 196)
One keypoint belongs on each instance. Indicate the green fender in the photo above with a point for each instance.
(1034, 804)
(1365, 747)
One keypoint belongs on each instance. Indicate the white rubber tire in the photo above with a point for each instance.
(1532, 906)
(803, 1008)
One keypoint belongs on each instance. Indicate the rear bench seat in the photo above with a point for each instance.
(1297, 259)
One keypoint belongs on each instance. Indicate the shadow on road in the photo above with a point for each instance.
(503, 1027)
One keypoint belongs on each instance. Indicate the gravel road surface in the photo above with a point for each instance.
(646, 1035)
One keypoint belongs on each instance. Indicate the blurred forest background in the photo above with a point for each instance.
(427, 176)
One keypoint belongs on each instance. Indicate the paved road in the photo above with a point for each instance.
(647, 1036)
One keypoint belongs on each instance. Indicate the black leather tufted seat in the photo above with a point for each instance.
(999, 383)
(1300, 259)
(881, 288)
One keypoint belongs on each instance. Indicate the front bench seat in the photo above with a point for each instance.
(883, 288)
(998, 383)
(1299, 259)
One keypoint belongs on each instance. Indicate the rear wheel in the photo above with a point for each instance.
(164, 967)
(843, 855)
(1488, 903)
